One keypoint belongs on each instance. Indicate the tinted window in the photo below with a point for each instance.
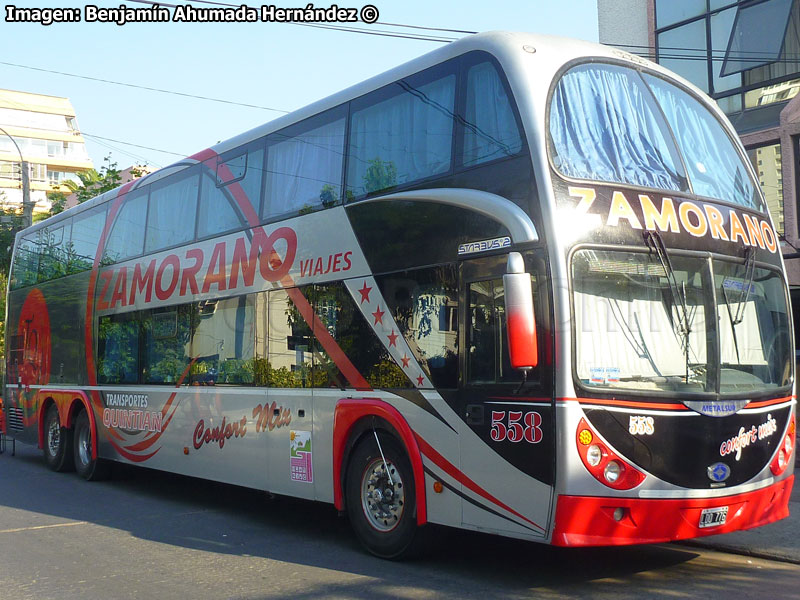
(172, 212)
(26, 262)
(118, 349)
(304, 165)
(127, 234)
(54, 247)
(401, 133)
(167, 336)
(490, 128)
(341, 324)
(86, 230)
(487, 351)
(288, 362)
(237, 177)
(222, 341)
(424, 305)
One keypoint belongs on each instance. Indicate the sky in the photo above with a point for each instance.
(269, 65)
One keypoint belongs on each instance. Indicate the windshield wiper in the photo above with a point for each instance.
(744, 293)
(652, 240)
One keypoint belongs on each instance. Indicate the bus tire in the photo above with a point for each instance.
(57, 442)
(382, 513)
(88, 468)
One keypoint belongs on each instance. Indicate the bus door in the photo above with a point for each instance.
(288, 422)
(511, 454)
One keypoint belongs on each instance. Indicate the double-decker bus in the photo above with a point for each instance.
(522, 284)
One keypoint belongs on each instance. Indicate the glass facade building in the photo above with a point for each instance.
(745, 55)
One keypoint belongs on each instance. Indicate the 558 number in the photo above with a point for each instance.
(516, 427)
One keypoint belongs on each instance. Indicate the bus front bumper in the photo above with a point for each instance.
(605, 521)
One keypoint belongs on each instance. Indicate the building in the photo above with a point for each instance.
(46, 133)
(746, 55)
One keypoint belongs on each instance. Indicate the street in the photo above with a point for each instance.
(146, 534)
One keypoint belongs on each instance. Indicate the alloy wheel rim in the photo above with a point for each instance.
(382, 495)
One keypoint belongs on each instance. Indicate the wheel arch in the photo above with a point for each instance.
(68, 403)
(353, 419)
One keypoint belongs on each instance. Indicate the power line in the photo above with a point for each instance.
(134, 145)
(141, 87)
(344, 28)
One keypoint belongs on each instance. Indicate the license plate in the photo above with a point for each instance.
(711, 517)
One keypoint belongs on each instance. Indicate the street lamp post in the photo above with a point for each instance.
(27, 205)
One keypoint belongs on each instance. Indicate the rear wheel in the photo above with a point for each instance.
(57, 442)
(88, 468)
(380, 496)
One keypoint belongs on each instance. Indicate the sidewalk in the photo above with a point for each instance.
(776, 541)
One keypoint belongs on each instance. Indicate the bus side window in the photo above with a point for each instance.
(118, 349)
(491, 130)
(487, 339)
(235, 178)
(402, 133)
(54, 246)
(167, 336)
(342, 320)
(172, 211)
(287, 363)
(222, 341)
(83, 244)
(423, 303)
(26, 262)
(127, 234)
(304, 166)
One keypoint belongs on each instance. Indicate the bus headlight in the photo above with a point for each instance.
(594, 455)
(612, 471)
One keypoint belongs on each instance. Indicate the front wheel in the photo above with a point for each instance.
(88, 468)
(57, 442)
(380, 496)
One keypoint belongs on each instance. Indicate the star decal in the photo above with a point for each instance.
(420, 380)
(378, 314)
(405, 360)
(393, 338)
(364, 291)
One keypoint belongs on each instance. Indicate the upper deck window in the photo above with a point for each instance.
(490, 128)
(304, 166)
(402, 133)
(609, 123)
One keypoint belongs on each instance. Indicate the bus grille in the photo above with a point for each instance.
(15, 419)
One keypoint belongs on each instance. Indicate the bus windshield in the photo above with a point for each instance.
(645, 324)
(611, 123)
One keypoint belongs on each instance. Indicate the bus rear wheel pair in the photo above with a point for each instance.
(380, 497)
(68, 449)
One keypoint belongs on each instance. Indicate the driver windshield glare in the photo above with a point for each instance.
(643, 326)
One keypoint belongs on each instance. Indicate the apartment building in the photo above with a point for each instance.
(44, 130)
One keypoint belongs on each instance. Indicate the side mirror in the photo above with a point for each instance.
(520, 322)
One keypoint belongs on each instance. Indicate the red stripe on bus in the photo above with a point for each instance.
(763, 403)
(628, 403)
(451, 470)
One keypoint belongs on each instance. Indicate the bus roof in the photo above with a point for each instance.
(551, 53)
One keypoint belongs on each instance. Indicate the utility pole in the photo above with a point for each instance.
(27, 205)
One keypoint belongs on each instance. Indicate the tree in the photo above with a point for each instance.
(92, 183)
